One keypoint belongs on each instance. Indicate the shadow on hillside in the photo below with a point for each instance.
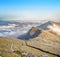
(28, 35)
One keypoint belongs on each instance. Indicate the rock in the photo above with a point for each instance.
(30, 55)
(43, 56)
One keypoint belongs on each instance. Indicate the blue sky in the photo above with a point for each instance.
(29, 9)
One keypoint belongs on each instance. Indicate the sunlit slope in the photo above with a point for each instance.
(46, 41)
(9, 45)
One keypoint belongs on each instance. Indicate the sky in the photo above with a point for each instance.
(29, 9)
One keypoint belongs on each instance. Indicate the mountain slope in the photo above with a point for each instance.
(8, 46)
(46, 41)
(53, 27)
(32, 33)
(45, 25)
(12, 47)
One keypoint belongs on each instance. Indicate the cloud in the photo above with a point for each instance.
(13, 30)
(55, 28)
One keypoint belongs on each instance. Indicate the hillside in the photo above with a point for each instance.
(8, 46)
(45, 25)
(46, 41)
(32, 33)
(12, 47)
(53, 27)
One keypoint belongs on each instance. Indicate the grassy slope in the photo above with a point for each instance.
(46, 41)
(8, 45)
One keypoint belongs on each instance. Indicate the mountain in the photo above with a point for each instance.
(46, 41)
(33, 41)
(45, 25)
(12, 47)
(53, 27)
(2, 22)
(32, 33)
